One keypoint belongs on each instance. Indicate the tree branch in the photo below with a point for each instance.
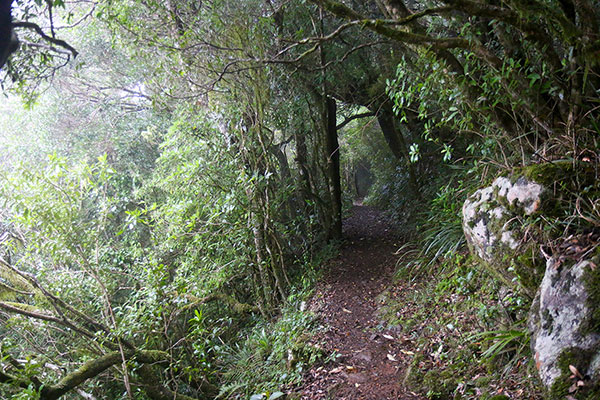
(17, 308)
(50, 39)
(532, 31)
(58, 305)
(355, 116)
(95, 367)
(5, 378)
(415, 16)
(381, 27)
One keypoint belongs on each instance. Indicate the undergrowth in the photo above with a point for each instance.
(271, 356)
(439, 230)
(467, 332)
(468, 335)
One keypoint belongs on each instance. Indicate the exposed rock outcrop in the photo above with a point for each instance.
(506, 228)
(565, 335)
(492, 224)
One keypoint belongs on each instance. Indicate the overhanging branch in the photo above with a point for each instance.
(352, 118)
(50, 39)
(382, 27)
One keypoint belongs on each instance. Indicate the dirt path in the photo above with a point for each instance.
(372, 362)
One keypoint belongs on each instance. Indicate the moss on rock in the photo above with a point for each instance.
(591, 280)
(503, 224)
(493, 222)
(529, 268)
(565, 171)
(565, 178)
(566, 384)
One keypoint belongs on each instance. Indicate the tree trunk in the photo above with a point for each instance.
(333, 168)
(397, 144)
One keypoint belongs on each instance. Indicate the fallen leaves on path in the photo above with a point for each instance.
(371, 362)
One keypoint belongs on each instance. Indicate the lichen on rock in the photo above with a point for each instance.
(559, 317)
(507, 225)
(488, 215)
(523, 193)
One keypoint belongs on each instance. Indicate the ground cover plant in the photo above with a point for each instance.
(462, 335)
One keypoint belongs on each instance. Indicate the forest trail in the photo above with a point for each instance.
(372, 361)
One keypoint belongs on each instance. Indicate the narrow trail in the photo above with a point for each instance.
(372, 362)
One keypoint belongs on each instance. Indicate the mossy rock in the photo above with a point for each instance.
(492, 222)
(529, 266)
(592, 284)
(566, 384)
(564, 322)
(571, 175)
(566, 179)
(505, 223)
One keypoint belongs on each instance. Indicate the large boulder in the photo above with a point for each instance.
(492, 222)
(565, 325)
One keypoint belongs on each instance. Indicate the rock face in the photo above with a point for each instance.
(563, 327)
(504, 229)
(491, 222)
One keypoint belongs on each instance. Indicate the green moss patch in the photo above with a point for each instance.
(564, 181)
(529, 268)
(592, 285)
(566, 384)
(573, 174)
